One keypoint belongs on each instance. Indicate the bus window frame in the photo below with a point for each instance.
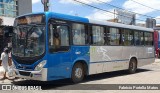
(91, 37)
(69, 30)
(138, 35)
(131, 30)
(87, 32)
(103, 33)
(120, 42)
(152, 38)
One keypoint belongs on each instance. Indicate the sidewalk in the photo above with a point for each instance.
(157, 60)
(9, 81)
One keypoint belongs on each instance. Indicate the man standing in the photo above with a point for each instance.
(4, 58)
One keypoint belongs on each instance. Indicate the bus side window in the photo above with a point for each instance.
(79, 34)
(136, 35)
(58, 38)
(139, 38)
(148, 37)
(127, 37)
(114, 36)
(98, 34)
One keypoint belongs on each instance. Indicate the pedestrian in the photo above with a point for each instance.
(4, 58)
(9, 57)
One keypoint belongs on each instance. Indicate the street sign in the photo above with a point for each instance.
(125, 17)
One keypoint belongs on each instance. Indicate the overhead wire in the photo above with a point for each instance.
(103, 9)
(124, 9)
(145, 5)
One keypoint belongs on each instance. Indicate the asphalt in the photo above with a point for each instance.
(146, 75)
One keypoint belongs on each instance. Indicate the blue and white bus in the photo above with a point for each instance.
(50, 46)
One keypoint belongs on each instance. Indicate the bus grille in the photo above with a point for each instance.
(24, 73)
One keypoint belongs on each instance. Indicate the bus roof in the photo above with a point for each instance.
(120, 25)
(86, 20)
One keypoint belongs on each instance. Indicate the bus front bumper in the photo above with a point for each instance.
(32, 75)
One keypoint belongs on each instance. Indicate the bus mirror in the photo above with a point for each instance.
(8, 31)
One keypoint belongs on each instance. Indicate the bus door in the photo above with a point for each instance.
(59, 51)
(156, 43)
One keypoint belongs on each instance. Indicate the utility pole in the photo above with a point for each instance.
(46, 5)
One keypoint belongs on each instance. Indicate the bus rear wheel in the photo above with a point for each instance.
(132, 66)
(77, 73)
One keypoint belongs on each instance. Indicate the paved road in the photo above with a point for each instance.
(149, 74)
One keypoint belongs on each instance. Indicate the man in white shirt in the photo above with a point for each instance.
(4, 58)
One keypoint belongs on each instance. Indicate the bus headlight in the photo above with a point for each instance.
(40, 65)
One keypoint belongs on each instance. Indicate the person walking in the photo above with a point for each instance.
(4, 58)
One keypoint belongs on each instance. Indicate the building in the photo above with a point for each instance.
(9, 9)
(113, 20)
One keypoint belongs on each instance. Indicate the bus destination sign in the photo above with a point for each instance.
(31, 19)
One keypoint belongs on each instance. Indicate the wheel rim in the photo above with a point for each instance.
(78, 72)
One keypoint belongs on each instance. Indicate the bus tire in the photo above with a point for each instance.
(77, 73)
(132, 66)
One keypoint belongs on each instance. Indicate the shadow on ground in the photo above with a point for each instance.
(67, 84)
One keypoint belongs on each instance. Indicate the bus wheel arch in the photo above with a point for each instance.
(81, 68)
(132, 65)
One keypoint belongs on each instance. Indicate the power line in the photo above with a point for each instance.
(145, 5)
(124, 9)
(102, 9)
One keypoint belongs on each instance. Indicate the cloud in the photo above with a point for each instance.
(84, 1)
(101, 15)
(132, 6)
(35, 1)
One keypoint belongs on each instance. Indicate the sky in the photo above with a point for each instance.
(73, 8)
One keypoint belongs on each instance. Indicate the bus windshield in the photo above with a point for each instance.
(28, 40)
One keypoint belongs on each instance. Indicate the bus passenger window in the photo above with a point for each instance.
(114, 36)
(98, 35)
(141, 36)
(58, 38)
(148, 38)
(138, 38)
(79, 36)
(127, 37)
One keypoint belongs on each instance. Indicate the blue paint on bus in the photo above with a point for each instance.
(59, 64)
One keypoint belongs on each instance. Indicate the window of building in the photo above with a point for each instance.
(79, 34)
(98, 35)
(127, 37)
(148, 38)
(138, 38)
(114, 36)
(1, 5)
(9, 1)
(8, 8)
(1, 12)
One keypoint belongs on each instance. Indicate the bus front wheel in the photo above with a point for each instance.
(132, 66)
(77, 73)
